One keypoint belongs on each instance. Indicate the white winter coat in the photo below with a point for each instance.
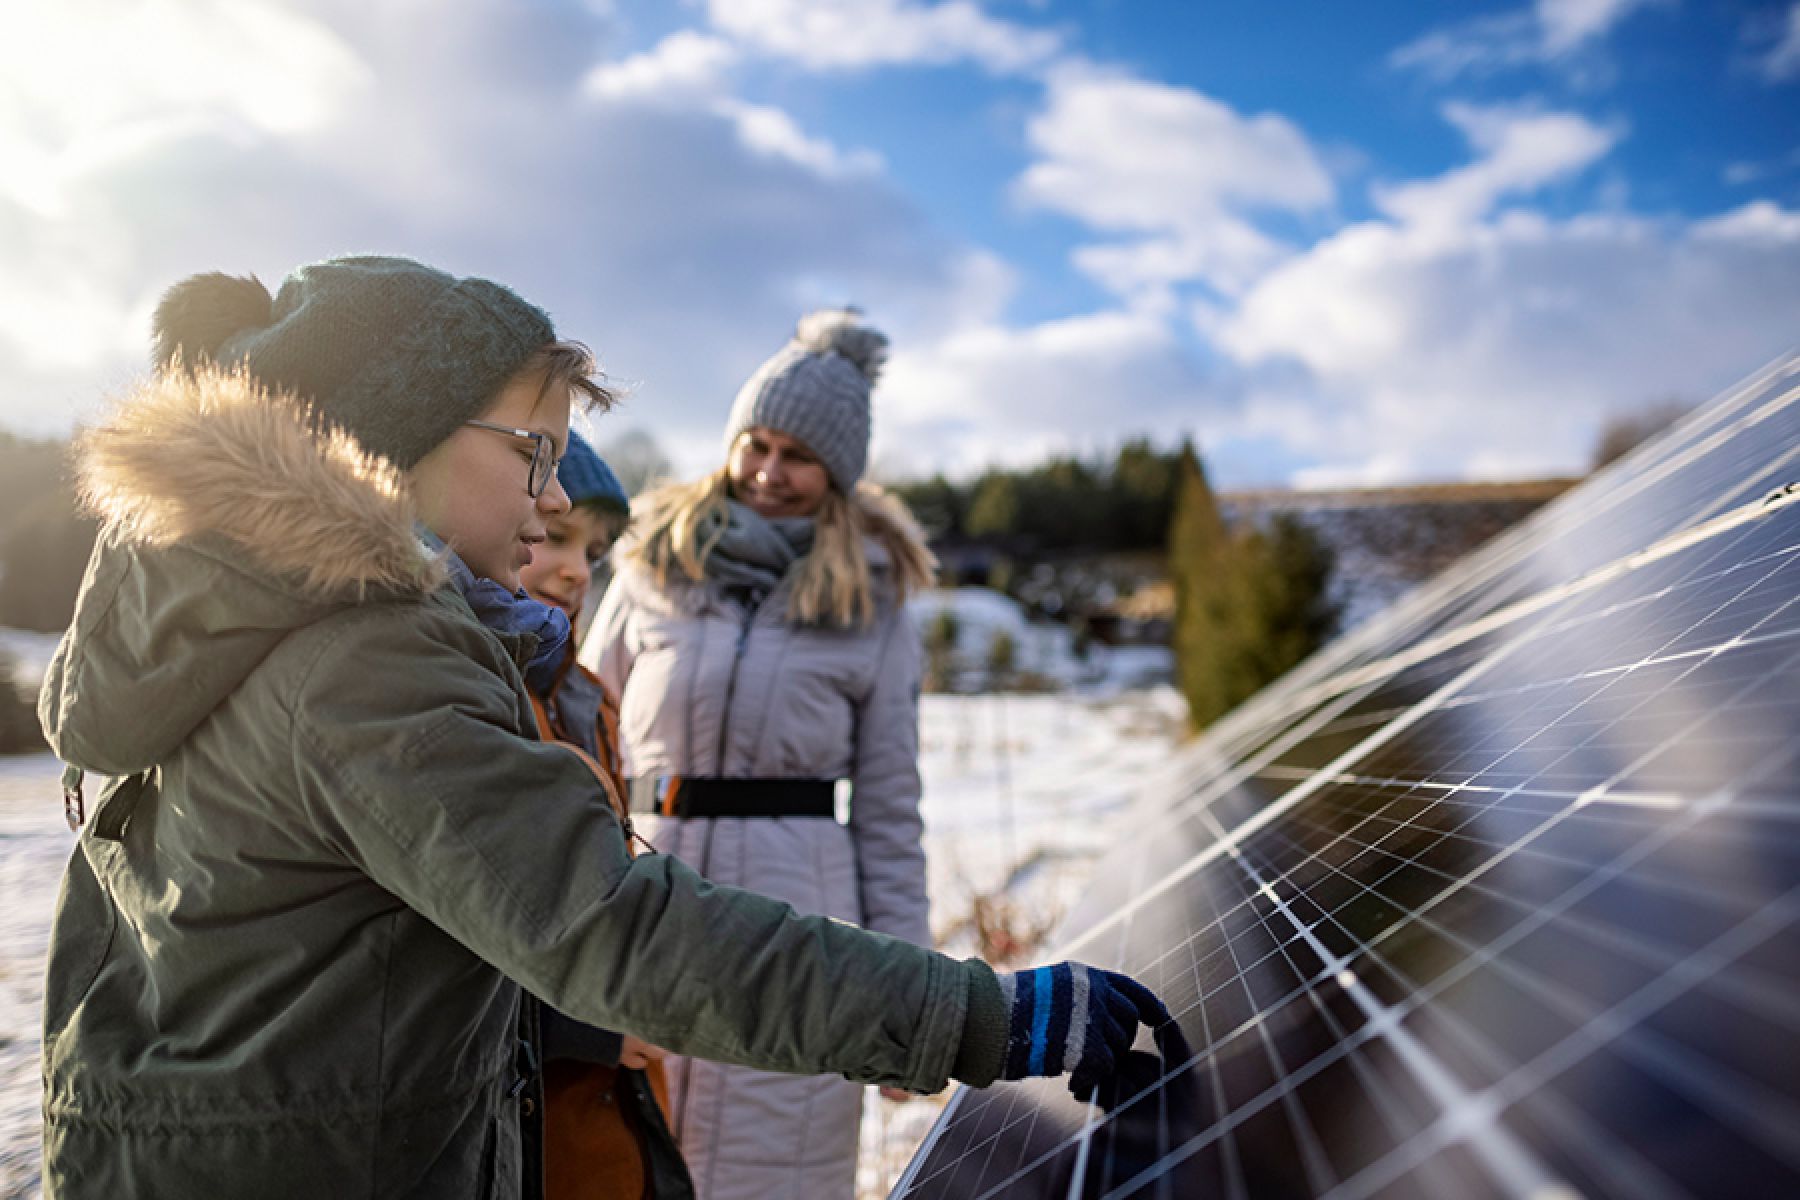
(709, 689)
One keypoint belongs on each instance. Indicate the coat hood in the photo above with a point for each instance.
(228, 522)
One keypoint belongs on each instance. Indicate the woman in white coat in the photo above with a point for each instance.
(757, 639)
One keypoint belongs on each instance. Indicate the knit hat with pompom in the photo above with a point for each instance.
(395, 352)
(816, 389)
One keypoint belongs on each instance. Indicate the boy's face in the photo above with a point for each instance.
(473, 489)
(562, 569)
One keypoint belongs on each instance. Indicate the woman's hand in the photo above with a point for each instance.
(638, 1055)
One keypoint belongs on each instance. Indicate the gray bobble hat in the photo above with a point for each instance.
(816, 388)
(397, 353)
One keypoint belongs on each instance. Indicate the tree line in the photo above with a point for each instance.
(1062, 504)
(44, 548)
(1251, 599)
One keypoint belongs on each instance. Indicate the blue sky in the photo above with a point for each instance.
(1333, 243)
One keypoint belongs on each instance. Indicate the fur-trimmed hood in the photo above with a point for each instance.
(227, 523)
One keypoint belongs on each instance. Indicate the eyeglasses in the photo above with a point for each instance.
(543, 454)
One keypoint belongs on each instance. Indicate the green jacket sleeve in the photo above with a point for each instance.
(410, 756)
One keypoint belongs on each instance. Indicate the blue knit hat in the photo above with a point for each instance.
(588, 480)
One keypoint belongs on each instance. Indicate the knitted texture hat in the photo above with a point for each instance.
(587, 479)
(397, 353)
(816, 389)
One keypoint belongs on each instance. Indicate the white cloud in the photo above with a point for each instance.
(1550, 33)
(774, 134)
(1499, 348)
(1759, 221)
(1780, 62)
(1128, 156)
(996, 394)
(84, 83)
(857, 34)
(1567, 24)
(673, 240)
(684, 67)
(689, 70)
(1522, 150)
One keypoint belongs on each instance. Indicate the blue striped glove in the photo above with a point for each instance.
(1075, 1018)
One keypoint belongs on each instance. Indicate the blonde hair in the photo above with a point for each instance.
(833, 584)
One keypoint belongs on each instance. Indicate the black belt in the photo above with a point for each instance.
(688, 796)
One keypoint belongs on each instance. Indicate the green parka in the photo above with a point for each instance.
(288, 953)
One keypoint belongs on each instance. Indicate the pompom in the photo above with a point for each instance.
(841, 331)
(198, 315)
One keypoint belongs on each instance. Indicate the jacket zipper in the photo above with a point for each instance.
(737, 659)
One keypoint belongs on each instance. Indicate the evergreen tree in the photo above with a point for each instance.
(996, 509)
(940, 651)
(1198, 548)
(1249, 604)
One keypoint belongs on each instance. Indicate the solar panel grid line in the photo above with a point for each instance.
(1370, 1080)
(1776, 1005)
(1293, 797)
(1632, 1178)
(1774, 1130)
(1539, 602)
(1478, 956)
(1221, 777)
(1319, 1176)
(1628, 1015)
(1513, 546)
(1518, 1169)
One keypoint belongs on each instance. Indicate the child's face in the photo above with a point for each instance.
(473, 489)
(562, 568)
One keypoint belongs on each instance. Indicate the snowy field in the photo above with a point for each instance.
(34, 843)
(1020, 793)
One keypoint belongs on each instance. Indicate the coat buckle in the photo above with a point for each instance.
(74, 807)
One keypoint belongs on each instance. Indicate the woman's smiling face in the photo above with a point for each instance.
(776, 475)
(473, 489)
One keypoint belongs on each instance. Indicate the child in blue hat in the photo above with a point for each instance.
(605, 1130)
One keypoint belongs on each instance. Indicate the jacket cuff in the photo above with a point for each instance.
(982, 1053)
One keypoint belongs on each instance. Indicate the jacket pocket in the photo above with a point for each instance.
(86, 922)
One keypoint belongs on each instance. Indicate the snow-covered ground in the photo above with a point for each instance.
(34, 843)
(1041, 650)
(1021, 794)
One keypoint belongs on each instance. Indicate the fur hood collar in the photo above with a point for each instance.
(228, 525)
(212, 455)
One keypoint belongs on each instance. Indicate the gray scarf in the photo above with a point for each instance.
(754, 552)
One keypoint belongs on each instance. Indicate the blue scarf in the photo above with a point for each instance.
(511, 613)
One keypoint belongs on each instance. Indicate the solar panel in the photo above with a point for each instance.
(1495, 896)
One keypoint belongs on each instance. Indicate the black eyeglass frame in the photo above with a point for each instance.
(543, 454)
